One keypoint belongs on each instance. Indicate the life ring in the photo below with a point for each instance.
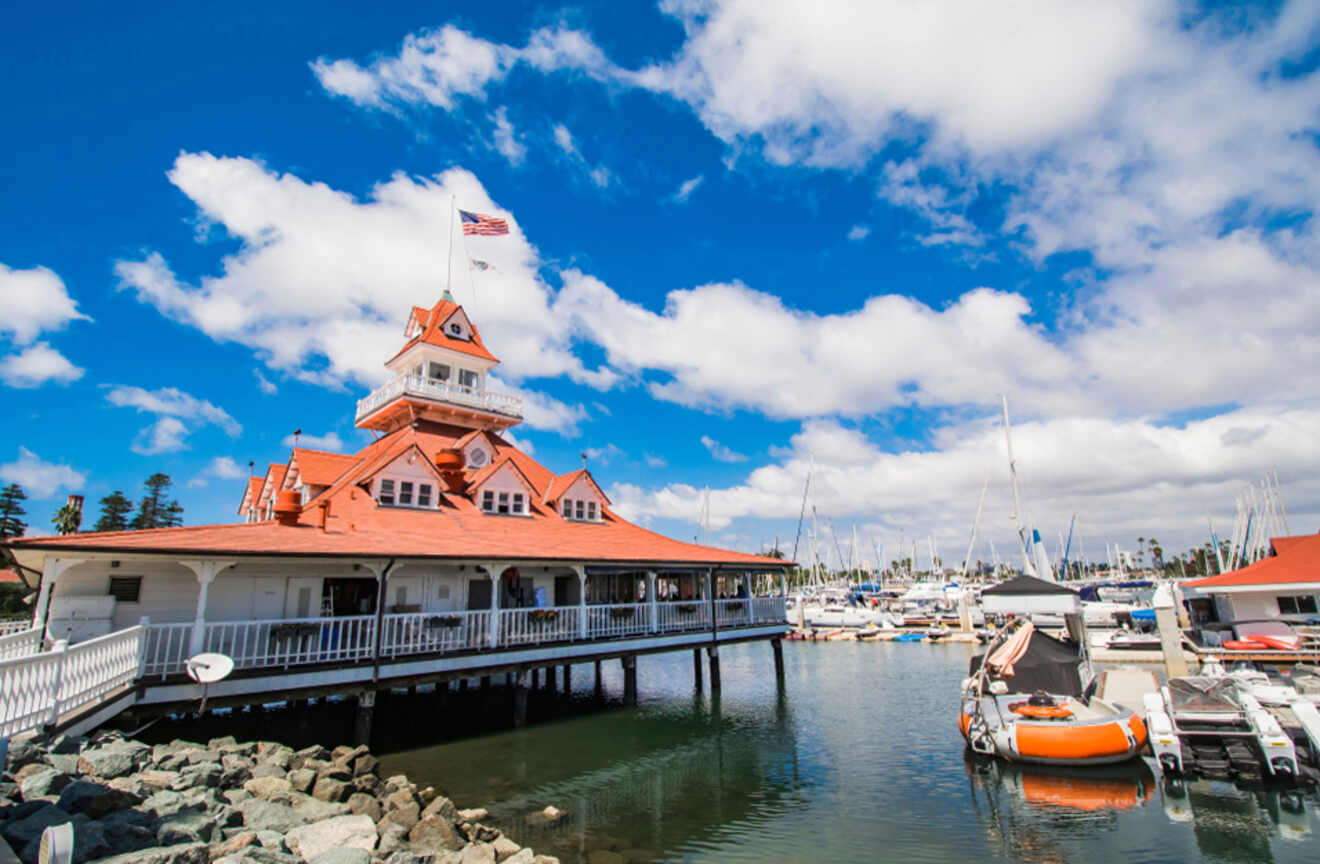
(1040, 712)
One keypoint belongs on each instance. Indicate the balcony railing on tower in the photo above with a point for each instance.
(440, 391)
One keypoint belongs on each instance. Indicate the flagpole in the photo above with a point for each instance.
(449, 273)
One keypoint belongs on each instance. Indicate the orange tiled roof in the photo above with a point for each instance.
(1295, 560)
(9, 575)
(250, 494)
(495, 465)
(320, 467)
(561, 484)
(357, 526)
(433, 333)
(274, 480)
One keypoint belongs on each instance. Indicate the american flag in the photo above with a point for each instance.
(480, 223)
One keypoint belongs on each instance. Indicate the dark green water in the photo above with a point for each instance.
(859, 759)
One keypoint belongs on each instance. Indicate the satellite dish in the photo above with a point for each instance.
(209, 668)
(56, 845)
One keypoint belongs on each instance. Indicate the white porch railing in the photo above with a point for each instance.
(434, 632)
(731, 613)
(429, 388)
(768, 610)
(166, 648)
(20, 643)
(683, 615)
(618, 619)
(36, 689)
(9, 626)
(535, 626)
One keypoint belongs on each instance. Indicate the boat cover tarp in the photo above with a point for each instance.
(1048, 664)
(1026, 595)
(1200, 693)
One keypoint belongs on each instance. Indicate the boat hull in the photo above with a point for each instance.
(1098, 741)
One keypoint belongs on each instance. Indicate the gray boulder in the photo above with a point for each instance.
(43, 783)
(21, 832)
(311, 840)
(95, 799)
(478, 853)
(302, 779)
(184, 853)
(201, 775)
(260, 815)
(189, 826)
(435, 834)
(442, 808)
(393, 838)
(315, 811)
(404, 856)
(522, 856)
(267, 769)
(112, 760)
(342, 855)
(330, 789)
(504, 848)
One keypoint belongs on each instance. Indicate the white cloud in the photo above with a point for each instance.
(720, 451)
(36, 365)
(603, 456)
(316, 302)
(221, 467)
(1122, 478)
(653, 461)
(859, 232)
(330, 441)
(166, 435)
(173, 402)
(544, 412)
(264, 384)
(506, 138)
(35, 301)
(687, 187)
(599, 176)
(38, 478)
(440, 67)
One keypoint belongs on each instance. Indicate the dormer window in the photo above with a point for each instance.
(579, 510)
(504, 503)
(456, 329)
(405, 493)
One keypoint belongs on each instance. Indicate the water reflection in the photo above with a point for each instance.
(676, 778)
(1233, 824)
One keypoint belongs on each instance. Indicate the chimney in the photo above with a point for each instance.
(288, 504)
(325, 512)
(450, 464)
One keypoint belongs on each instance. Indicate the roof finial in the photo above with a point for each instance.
(584, 460)
(297, 433)
(447, 297)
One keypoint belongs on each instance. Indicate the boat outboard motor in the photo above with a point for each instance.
(1041, 699)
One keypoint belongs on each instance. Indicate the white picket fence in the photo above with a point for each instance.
(434, 632)
(537, 626)
(36, 689)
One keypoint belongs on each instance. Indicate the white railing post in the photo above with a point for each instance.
(582, 601)
(495, 571)
(142, 646)
(651, 608)
(60, 653)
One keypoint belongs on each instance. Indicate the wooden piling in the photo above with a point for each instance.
(696, 668)
(520, 699)
(777, 646)
(600, 685)
(629, 679)
(568, 679)
(713, 653)
(366, 710)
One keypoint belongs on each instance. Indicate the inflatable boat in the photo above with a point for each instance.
(1027, 700)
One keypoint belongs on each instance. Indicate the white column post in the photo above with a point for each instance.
(50, 574)
(581, 571)
(205, 571)
(60, 650)
(653, 609)
(747, 586)
(377, 569)
(495, 571)
(143, 641)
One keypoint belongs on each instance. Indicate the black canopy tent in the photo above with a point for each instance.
(1050, 664)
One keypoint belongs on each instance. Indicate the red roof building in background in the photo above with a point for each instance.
(1285, 584)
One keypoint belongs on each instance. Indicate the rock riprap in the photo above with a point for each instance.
(233, 802)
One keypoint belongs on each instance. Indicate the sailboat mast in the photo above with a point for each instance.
(1017, 497)
(976, 525)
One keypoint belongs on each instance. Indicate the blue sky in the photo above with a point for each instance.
(747, 239)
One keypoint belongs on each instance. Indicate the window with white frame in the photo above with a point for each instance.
(579, 510)
(438, 371)
(591, 510)
(488, 501)
(467, 378)
(395, 492)
(566, 507)
(518, 503)
(504, 503)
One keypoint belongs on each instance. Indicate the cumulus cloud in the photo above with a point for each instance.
(36, 365)
(322, 282)
(178, 413)
(264, 384)
(1122, 478)
(221, 468)
(598, 175)
(721, 451)
(859, 232)
(506, 138)
(35, 301)
(40, 479)
(330, 441)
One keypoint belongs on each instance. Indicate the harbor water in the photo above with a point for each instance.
(859, 758)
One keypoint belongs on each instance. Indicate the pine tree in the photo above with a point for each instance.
(10, 509)
(156, 509)
(67, 519)
(114, 512)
